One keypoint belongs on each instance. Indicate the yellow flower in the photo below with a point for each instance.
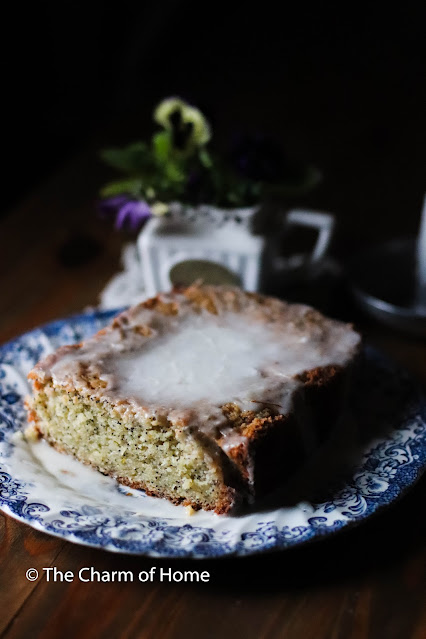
(159, 208)
(187, 125)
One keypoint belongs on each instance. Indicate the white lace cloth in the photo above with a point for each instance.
(126, 288)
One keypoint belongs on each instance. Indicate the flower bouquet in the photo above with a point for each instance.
(178, 165)
(197, 211)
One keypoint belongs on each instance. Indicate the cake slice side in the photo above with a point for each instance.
(150, 454)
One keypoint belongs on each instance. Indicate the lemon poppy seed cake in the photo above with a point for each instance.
(205, 396)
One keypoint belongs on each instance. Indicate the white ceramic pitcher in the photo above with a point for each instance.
(219, 246)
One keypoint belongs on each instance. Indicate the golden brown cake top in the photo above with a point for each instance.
(187, 354)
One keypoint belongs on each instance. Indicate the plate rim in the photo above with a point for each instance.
(313, 532)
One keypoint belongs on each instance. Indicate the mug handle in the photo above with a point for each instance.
(323, 222)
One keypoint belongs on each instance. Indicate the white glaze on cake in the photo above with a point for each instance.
(194, 362)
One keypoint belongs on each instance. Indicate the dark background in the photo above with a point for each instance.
(343, 88)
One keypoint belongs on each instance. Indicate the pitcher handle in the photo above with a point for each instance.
(323, 222)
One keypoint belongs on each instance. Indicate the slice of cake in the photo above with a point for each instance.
(204, 396)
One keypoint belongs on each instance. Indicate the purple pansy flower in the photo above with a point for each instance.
(129, 214)
(260, 158)
(108, 207)
(132, 215)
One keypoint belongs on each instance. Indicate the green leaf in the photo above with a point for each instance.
(234, 198)
(174, 172)
(132, 186)
(205, 158)
(133, 158)
(162, 145)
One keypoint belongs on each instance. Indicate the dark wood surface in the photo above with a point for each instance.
(365, 583)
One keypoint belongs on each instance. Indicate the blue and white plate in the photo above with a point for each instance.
(378, 451)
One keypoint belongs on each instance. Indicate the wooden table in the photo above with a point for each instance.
(367, 582)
